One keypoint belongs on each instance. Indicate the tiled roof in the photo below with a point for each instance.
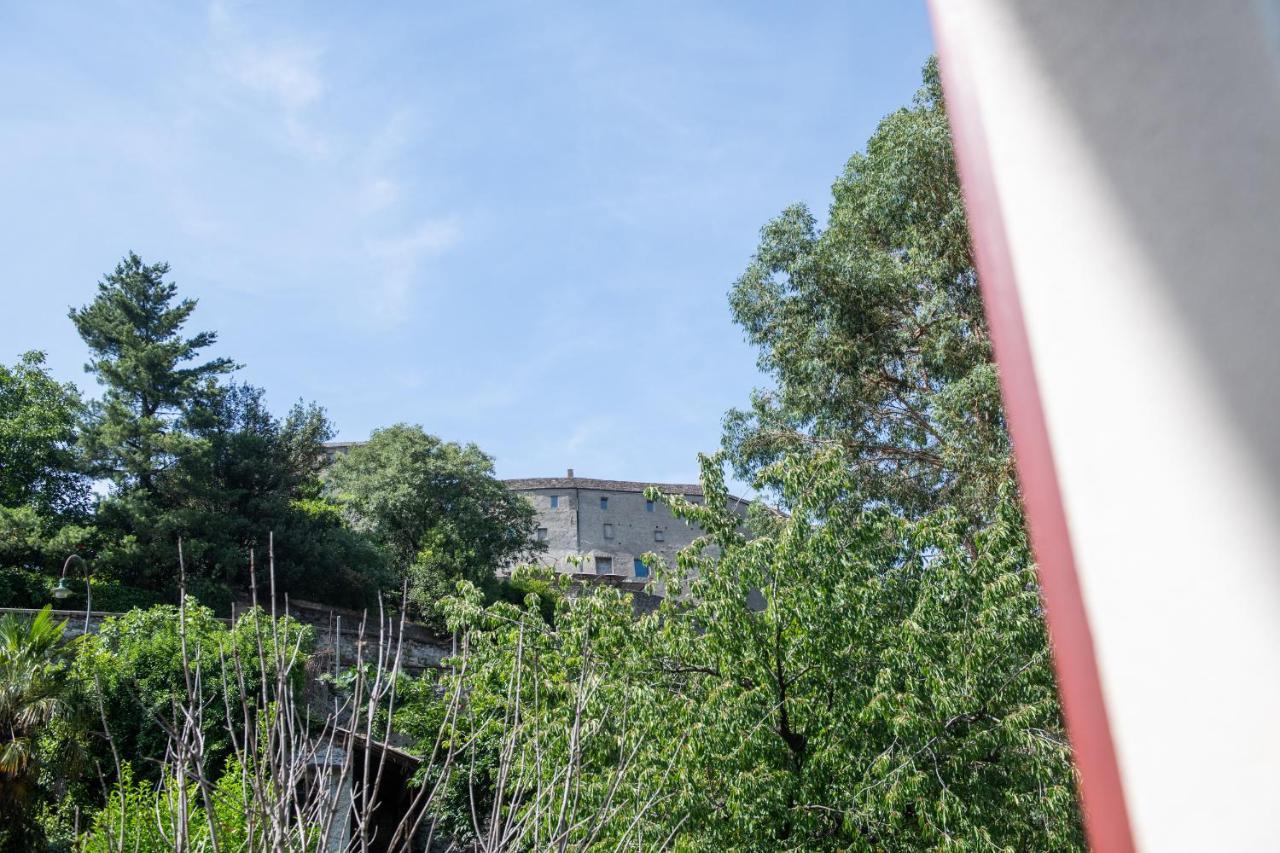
(600, 485)
(687, 489)
(530, 483)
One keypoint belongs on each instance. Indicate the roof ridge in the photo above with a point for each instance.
(595, 483)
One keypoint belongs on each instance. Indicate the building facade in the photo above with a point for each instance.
(600, 527)
(606, 527)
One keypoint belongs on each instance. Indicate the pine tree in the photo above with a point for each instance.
(134, 332)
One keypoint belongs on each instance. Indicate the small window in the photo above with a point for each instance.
(642, 571)
(608, 531)
(648, 506)
(555, 501)
(658, 535)
(542, 534)
(604, 565)
(604, 503)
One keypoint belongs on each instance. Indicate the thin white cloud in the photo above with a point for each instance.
(360, 196)
(591, 448)
(401, 258)
(286, 73)
(430, 237)
(586, 435)
(378, 194)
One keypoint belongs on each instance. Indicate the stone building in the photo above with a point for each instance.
(609, 525)
(606, 525)
(334, 449)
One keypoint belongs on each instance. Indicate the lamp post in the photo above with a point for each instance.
(62, 591)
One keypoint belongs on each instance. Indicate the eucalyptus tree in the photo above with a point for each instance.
(871, 327)
(898, 681)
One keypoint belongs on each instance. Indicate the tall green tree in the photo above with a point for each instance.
(873, 332)
(195, 457)
(894, 691)
(434, 507)
(149, 368)
(852, 680)
(250, 478)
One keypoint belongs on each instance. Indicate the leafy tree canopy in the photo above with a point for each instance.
(39, 417)
(44, 494)
(133, 672)
(434, 507)
(893, 692)
(872, 329)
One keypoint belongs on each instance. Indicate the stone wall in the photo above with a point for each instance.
(73, 618)
(342, 635)
(339, 639)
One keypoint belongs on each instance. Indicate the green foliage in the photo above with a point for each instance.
(39, 466)
(434, 507)
(110, 596)
(133, 671)
(894, 692)
(195, 459)
(33, 547)
(24, 588)
(522, 583)
(43, 491)
(134, 333)
(873, 329)
(146, 818)
(31, 589)
(33, 696)
(551, 718)
(250, 478)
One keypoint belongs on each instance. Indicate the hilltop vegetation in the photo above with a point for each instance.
(188, 453)
(893, 691)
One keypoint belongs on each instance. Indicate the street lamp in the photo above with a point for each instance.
(62, 591)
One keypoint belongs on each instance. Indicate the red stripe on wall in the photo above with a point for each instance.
(1101, 790)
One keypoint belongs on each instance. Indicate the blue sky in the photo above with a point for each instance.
(513, 223)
